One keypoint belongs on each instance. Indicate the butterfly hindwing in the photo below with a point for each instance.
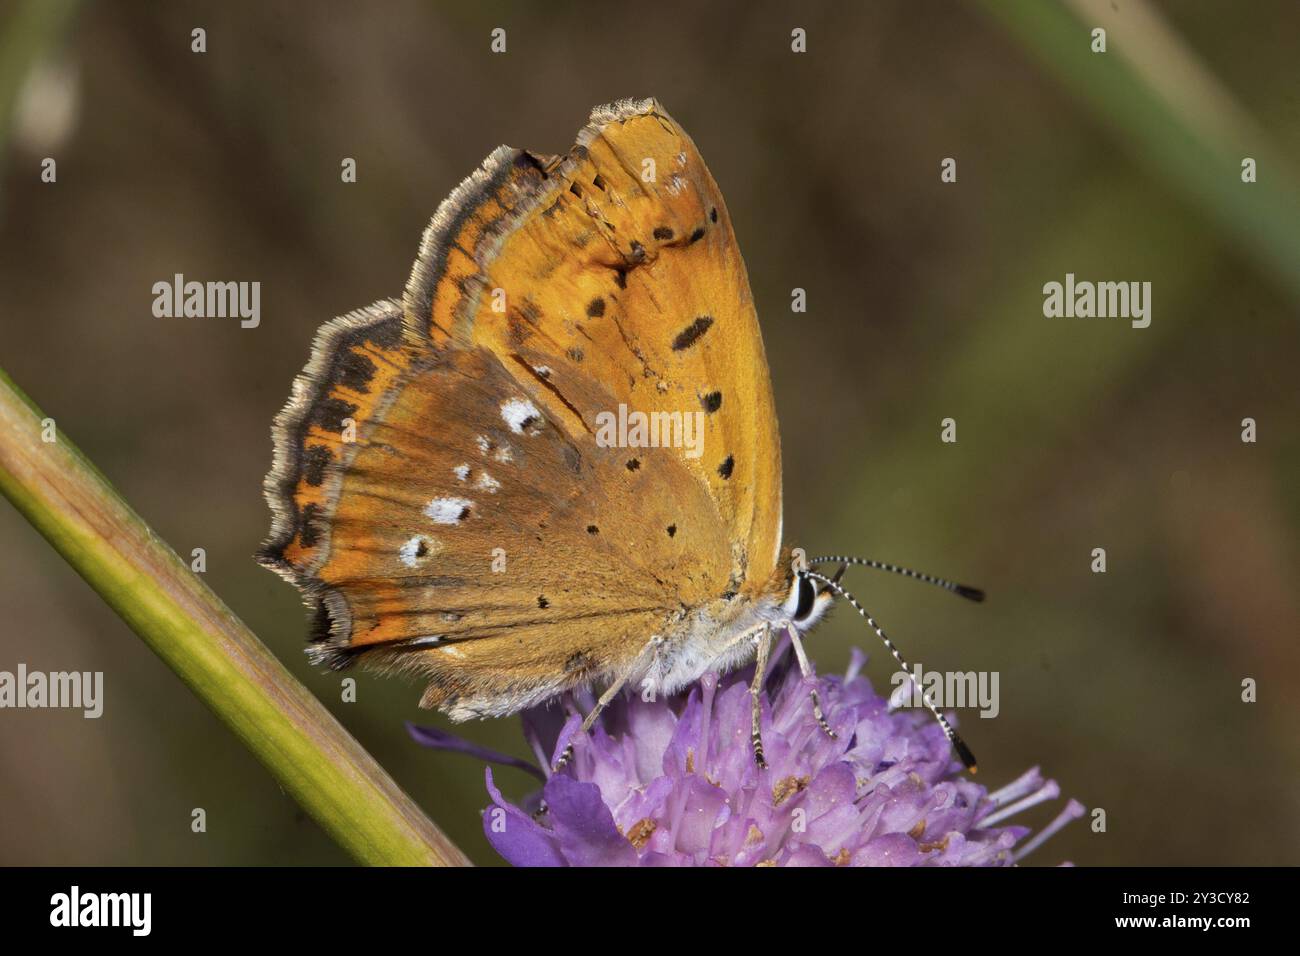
(485, 544)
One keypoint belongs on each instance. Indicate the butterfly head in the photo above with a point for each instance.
(805, 600)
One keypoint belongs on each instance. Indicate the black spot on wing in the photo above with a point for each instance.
(314, 462)
(531, 312)
(727, 467)
(355, 372)
(387, 334)
(319, 630)
(633, 464)
(309, 533)
(672, 531)
(663, 233)
(691, 334)
(331, 412)
(596, 307)
(711, 402)
(518, 329)
(696, 236)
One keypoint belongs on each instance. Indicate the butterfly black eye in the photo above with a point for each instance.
(807, 596)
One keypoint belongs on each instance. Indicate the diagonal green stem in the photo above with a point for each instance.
(1196, 148)
(318, 762)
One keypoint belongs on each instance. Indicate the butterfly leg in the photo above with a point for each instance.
(764, 643)
(805, 668)
(648, 656)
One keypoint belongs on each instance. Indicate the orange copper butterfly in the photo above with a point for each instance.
(445, 493)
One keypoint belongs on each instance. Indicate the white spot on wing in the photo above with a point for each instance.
(504, 454)
(446, 510)
(483, 443)
(517, 411)
(461, 472)
(409, 552)
(487, 483)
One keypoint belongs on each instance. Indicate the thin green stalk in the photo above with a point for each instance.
(318, 762)
(1198, 151)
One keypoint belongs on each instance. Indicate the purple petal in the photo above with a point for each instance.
(436, 739)
(705, 808)
(892, 849)
(806, 856)
(515, 835)
(584, 826)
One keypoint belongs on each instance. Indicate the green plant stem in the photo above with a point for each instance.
(312, 756)
(1199, 152)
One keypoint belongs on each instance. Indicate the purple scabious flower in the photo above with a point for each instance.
(674, 783)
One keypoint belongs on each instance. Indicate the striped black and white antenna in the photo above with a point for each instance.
(958, 745)
(972, 594)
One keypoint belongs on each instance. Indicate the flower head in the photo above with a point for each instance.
(674, 783)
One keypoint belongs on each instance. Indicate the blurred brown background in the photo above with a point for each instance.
(924, 300)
